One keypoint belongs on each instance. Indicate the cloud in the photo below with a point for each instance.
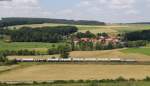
(132, 11)
(21, 8)
(106, 10)
(103, 10)
(121, 4)
(110, 4)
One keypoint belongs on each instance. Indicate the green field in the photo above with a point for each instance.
(134, 27)
(38, 46)
(96, 28)
(145, 51)
(119, 83)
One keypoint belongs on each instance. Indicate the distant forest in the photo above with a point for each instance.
(138, 35)
(20, 21)
(141, 23)
(43, 34)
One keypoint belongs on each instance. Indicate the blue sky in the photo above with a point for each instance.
(101, 10)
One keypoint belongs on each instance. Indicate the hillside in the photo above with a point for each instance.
(20, 21)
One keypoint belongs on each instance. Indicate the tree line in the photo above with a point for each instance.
(4, 60)
(11, 21)
(138, 35)
(42, 34)
(90, 46)
(120, 81)
(89, 34)
(61, 49)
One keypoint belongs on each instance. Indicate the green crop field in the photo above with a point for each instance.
(82, 28)
(145, 51)
(95, 28)
(38, 46)
(119, 83)
(134, 27)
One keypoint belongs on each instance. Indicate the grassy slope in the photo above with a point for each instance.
(140, 83)
(27, 45)
(145, 51)
(82, 28)
(96, 28)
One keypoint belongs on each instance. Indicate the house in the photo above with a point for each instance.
(101, 39)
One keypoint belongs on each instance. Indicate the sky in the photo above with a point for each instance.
(111, 11)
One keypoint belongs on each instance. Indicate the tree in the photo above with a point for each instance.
(102, 34)
(82, 46)
(94, 83)
(138, 35)
(110, 45)
(87, 34)
(64, 55)
(42, 34)
(3, 57)
(98, 46)
(72, 42)
(138, 43)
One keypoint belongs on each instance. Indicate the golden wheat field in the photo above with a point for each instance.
(110, 54)
(76, 72)
(5, 68)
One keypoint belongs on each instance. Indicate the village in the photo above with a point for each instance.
(100, 39)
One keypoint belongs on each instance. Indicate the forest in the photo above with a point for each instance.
(21, 21)
(43, 34)
(138, 35)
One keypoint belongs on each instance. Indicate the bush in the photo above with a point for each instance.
(34, 82)
(147, 79)
(80, 81)
(11, 62)
(60, 81)
(138, 43)
(94, 83)
(121, 79)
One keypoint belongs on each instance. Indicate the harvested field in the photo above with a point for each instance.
(110, 54)
(99, 30)
(96, 54)
(5, 68)
(82, 28)
(95, 28)
(76, 72)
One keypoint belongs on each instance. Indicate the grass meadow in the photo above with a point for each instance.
(145, 51)
(119, 83)
(112, 29)
(37, 46)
